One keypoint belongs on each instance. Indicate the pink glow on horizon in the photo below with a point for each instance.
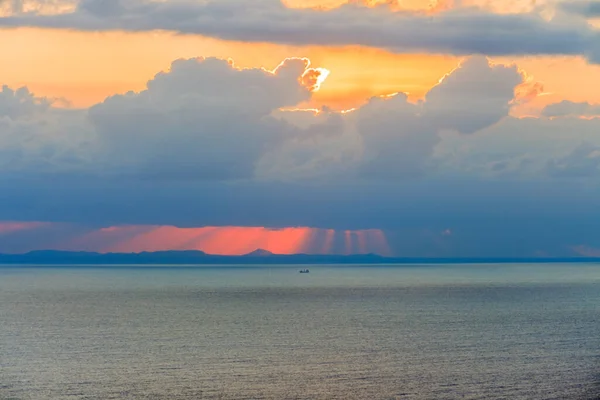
(13, 226)
(228, 240)
(219, 240)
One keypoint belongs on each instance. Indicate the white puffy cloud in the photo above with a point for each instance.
(397, 140)
(204, 118)
(473, 96)
(399, 137)
(20, 102)
(390, 137)
(35, 136)
(326, 147)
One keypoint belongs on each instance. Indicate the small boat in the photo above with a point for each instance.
(304, 271)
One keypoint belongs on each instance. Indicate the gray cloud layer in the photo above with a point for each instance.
(566, 108)
(207, 144)
(203, 119)
(207, 120)
(461, 31)
(588, 9)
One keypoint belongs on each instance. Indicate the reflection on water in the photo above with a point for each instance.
(427, 332)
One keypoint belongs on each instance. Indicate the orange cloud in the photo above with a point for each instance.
(96, 65)
(528, 91)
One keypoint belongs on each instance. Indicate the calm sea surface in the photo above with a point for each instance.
(396, 332)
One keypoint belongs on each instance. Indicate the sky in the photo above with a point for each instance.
(417, 128)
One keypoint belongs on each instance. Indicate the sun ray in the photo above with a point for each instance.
(327, 247)
(362, 242)
(226, 240)
(379, 242)
(348, 242)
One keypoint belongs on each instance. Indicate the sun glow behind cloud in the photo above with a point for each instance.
(118, 62)
(314, 77)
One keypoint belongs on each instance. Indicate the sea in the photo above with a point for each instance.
(268, 332)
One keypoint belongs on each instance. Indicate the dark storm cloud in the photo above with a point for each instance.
(461, 31)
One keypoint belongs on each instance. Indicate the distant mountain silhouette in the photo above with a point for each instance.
(259, 253)
(259, 256)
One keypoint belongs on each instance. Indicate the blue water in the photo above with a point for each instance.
(405, 332)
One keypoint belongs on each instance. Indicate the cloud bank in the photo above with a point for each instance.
(209, 144)
(206, 119)
(459, 31)
(569, 108)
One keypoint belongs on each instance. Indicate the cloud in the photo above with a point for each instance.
(568, 108)
(36, 136)
(460, 31)
(205, 119)
(326, 146)
(20, 102)
(582, 162)
(202, 119)
(588, 9)
(487, 217)
(473, 96)
(516, 148)
(208, 144)
(390, 137)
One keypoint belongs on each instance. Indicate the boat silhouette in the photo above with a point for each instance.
(304, 271)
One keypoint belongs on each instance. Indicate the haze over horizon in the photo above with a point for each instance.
(402, 128)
